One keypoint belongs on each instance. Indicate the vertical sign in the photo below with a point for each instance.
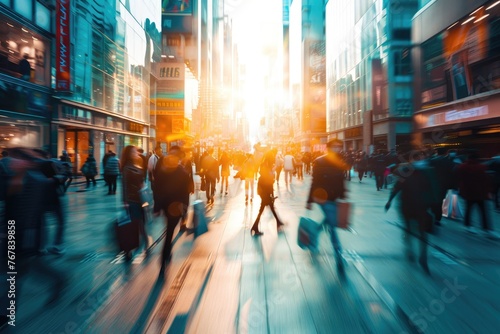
(63, 77)
(377, 87)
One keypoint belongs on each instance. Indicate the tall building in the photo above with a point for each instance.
(99, 76)
(307, 82)
(457, 75)
(368, 69)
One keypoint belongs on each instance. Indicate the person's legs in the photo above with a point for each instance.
(484, 215)
(87, 178)
(255, 226)
(252, 187)
(171, 220)
(279, 223)
(468, 209)
(330, 211)
(137, 214)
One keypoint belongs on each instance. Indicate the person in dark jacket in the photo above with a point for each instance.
(210, 170)
(111, 172)
(265, 189)
(132, 183)
(327, 187)
(416, 183)
(171, 195)
(444, 166)
(474, 186)
(89, 170)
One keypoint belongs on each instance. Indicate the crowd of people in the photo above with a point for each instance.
(423, 179)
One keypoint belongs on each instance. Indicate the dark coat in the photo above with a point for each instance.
(418, 190)
(473, 180)
(171, 185)
(265, 185)
(133, 182)
(327, 179)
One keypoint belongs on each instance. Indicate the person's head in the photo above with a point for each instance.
(210, 150)
(140, 151)
(26, 56)
(129, 155)
(335, 145)
(5, 153)
(158, 150)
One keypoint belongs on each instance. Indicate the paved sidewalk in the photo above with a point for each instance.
(229, 282)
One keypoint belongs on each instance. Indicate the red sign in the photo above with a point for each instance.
(63, 77)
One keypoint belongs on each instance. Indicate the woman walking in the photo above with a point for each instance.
(133, 182)
(89, 170)
(266, 192)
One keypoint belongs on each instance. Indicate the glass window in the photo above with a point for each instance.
(23, 53)
(42, 16)
(24, 7)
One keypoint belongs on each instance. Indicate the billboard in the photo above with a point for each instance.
(63, 77)
(170, 90)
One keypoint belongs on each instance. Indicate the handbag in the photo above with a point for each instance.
(343, 214)
(126, 232)
(308, 234)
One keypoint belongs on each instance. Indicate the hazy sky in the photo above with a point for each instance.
(257, 29)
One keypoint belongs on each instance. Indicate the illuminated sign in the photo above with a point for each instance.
(63, 78)
(135, 127)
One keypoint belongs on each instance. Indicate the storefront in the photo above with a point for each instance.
(457, 75)
(82, 131)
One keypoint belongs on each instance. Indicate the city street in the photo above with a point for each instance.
(227, 281)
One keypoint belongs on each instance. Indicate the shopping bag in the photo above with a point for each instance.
(308, 234)
(127, 233)
(343, 214)
(199, 219)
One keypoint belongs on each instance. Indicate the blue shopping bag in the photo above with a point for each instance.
(199, 218)
(308, 234)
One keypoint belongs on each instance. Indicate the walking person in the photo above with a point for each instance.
(415, 182)
(68, 169)
(278, 166)
(474, 186)
(111, 172)
(247, 173)
(328, 185)
(225, 164)
(379, 166)
(362, 165)
(171, 195)
(104, 160)
(132, 182)
(210, 170)
(289, 167)
(266, 192)
(153, 159)
(89, 170)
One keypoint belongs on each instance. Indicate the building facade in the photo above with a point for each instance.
(457, 75)
(90, 83)
(26, 31)
(306, 58)
(368, 73)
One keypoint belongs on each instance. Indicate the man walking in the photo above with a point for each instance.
(327, 187)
